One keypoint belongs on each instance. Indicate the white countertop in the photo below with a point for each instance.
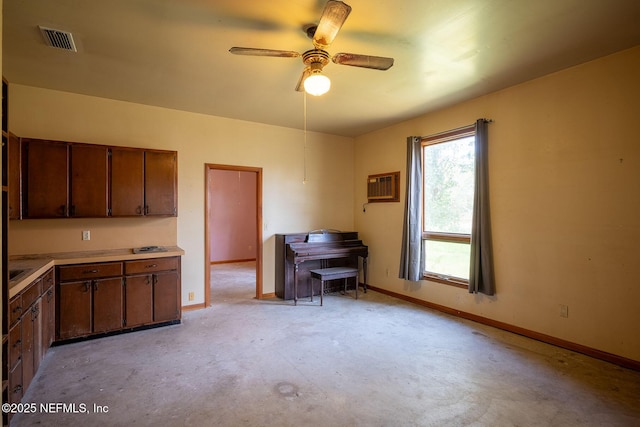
(37, 264)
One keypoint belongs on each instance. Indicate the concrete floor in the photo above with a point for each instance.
(377, 361)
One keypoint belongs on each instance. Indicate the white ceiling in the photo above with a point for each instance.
(174, 53)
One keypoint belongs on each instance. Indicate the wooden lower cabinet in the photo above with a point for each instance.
(166, 296)
(31, 343)
(48, 315)
(138, 293)
(152, 298)
(74, 312)
(32, 319)
(139, 297)
(154, 285)
(15, 363)
(90, 307)
(90, 299)
(107, 305)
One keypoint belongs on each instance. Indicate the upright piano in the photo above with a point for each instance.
(298, 253)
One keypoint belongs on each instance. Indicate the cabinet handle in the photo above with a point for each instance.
(35, 312)
(49, 295)
(17, 388)
(90, 271)
(87, 286)
(95, 286)
(146, 210)
(17, 343)
(18, 309)
(151, 266)
(139, 210)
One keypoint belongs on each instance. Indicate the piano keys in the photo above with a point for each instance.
(298, 253)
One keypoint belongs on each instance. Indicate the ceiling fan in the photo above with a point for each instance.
(312, 80)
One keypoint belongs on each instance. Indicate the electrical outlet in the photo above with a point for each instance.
(192, 296)
(86, 235)
(564, 310)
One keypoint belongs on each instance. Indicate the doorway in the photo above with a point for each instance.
(246, 241)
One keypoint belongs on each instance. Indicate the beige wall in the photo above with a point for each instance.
(325, 201)
(565, 199)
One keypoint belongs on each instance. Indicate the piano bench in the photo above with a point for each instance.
(333, 273)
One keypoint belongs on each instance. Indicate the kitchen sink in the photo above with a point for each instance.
(15, 273)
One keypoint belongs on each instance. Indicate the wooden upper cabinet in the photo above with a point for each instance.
(160, 183)
(68, 179)
(127, 182)
(45, 178)
(89, 180)
(14, 177)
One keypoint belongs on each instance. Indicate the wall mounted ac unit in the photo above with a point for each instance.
(383, 187)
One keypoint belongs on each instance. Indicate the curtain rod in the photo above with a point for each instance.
(456, 129)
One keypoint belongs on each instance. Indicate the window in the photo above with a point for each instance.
(448, 172)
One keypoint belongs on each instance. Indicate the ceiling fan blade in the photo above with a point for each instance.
(334, 15)
(305, 73)
(263, 52)
(364, 61)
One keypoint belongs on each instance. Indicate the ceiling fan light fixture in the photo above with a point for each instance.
(317, 84)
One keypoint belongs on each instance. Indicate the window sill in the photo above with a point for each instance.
(451, 281)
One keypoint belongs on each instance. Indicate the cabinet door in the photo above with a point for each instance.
(166, 296)
(89, 180)
(74, 309)
(31, 338)
(36, 322)
(45, 185)
(127, 182)
(107, 305)
(15, 384)
(14, 177)
(138, 300)
(15, 346)
(48, 310)
(48, 319)
(160, 183)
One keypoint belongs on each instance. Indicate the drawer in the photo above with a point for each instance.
(151, 265)
(31, 293)
(15, 309)
(89, 271)
(15, 345)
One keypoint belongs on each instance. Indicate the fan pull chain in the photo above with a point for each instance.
(304, 109)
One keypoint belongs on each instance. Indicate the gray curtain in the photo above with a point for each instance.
(411, 259)
(481, 275)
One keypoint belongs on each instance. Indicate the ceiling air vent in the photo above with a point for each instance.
(59, 39)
